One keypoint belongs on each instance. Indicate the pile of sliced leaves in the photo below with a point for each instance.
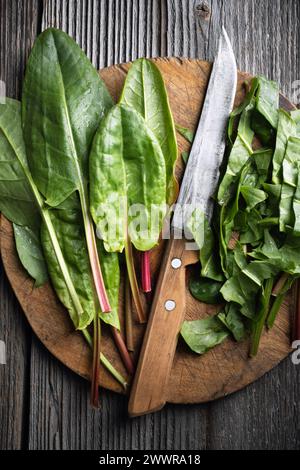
(250, 255)
(65, 150)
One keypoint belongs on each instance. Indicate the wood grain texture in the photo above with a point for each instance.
(62, 399)
(265, 37)
(18, 28)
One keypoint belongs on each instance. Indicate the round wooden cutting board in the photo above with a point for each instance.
(194, 378)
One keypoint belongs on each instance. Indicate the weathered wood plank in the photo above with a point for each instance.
(61, 416)
(118, 31)
(18, 27)
(265, 414)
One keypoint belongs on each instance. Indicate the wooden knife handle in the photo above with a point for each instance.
(148, 392)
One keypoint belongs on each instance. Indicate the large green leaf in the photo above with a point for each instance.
(145, 91)
(17, 192)
(22, 203)
(127, 181)
(63, 101)
(17, 200)
(18, 187)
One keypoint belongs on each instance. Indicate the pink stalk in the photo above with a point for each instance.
(100, 291)
(95, 264)
(96, 363)
(128, 316)
(146, 271)
(127, 361)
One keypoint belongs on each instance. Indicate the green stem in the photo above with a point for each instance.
(133, 281)
(280, 289)
(269, 221)
(108, 365)
(62, 263)
(262, 315)
(274, 310)
(55, 244)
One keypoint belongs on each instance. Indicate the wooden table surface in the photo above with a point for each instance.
(42, 404)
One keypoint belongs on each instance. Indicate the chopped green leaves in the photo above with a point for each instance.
(289, 193)
(286, 129)
(205, 239)
(267, 100)
(239, 155)
(257, 228)
(231, 318)
(202, 335)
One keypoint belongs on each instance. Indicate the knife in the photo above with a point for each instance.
(148, 392)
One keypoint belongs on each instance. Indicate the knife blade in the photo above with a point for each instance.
(148, 392)
(202, 171)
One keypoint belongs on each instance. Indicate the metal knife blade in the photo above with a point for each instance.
(202, 170)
